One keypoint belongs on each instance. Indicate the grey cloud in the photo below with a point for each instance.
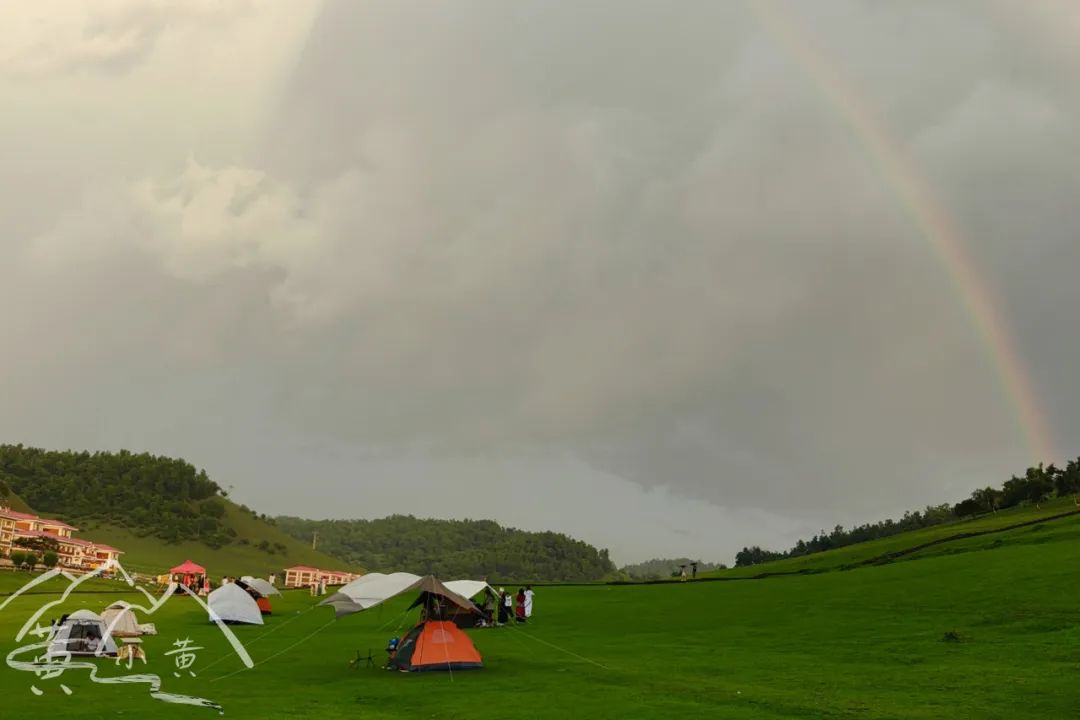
(479, 238)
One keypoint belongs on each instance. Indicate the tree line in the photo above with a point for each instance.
(454, 548)
(1038, 484)
(661, 568)
(150, 495)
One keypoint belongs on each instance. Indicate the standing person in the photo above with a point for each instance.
(521, 605)
(322, 586)
(504, 606)
(528, 601)
(205, 586)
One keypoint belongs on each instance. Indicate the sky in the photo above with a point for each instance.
(661, 276)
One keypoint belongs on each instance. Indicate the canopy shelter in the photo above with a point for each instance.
(120, 620)
(232, 604)
(82, 633)
(369, 591)
(484, 600)
(263, 586)
(190, 575)
(188, 568)
(436, 642)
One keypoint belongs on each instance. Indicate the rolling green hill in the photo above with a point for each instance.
(159, 511)
(148, 554)
(984, 635)
(944, 537)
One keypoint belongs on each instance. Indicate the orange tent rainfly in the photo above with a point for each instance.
(436, 645)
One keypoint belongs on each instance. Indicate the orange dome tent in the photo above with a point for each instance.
(436, 645)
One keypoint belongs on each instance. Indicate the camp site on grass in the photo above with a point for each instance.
(907, 627)
(435, 642)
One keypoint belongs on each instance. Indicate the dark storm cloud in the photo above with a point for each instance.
(574, 246)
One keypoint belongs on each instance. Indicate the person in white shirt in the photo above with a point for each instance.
(528, 601)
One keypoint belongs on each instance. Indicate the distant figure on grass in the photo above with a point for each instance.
(682, 573)
(205, 587)
(504, 606)
(314, 589)
(521, 605)
(322, 586)
(528, 601)
(391, 653)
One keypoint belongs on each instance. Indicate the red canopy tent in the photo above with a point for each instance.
(188, 568)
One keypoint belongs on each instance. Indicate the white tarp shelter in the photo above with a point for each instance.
(469, 588)
(232, 604)
(263, 587)
(368, 591)
(120, 620)
(82, 633)
(375, 588)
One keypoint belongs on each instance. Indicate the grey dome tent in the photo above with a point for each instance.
(81, 634)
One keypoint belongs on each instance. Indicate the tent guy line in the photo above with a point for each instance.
(251, 642)
(280, 652)
(560, 649)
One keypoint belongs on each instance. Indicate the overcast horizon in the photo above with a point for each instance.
(672, 279)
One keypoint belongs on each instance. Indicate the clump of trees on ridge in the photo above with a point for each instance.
(454, 548)
(662, 568)
(1040, 483)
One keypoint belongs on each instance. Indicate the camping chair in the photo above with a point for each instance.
(369, 661)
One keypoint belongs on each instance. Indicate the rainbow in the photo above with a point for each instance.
(930, 218)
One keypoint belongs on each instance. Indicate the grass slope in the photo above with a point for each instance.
(861, 644)
(151, 555)
(897, 545)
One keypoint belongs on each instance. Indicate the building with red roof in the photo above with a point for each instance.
(306, 576)
(74, 553)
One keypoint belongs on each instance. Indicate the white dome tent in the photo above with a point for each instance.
(120, 620)
(232, 604)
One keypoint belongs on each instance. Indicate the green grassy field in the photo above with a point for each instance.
(864, 643)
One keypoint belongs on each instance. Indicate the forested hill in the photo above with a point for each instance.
(150, 495)
(454, 548)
